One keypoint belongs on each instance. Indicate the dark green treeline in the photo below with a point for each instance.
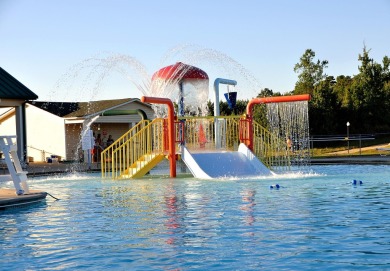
(362, 99)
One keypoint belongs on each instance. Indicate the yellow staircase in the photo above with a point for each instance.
(143, 165)
(135, 153)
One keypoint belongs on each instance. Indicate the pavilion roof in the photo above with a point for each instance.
(11, 88)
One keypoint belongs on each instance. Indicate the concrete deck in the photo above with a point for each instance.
(9, 199)
(42, 168)
(353, 160)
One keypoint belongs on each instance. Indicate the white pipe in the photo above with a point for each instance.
(216, 107)
(216, 90)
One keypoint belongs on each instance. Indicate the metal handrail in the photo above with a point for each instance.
(270, 148)
(106, 154)
(117, 160)
(200, 132)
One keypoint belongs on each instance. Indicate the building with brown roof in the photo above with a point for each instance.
(56, 128)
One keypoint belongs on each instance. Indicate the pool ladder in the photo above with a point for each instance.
(16, 173)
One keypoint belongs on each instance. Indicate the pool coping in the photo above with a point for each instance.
(354, 160)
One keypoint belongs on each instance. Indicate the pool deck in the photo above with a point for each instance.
(9, 199)
(42, 168)
(353, 160)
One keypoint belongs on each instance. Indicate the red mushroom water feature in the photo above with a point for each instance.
(175, 74)
(179, 73)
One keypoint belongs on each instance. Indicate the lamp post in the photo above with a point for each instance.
(348, 124)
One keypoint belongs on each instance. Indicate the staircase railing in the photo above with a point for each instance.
(146, 137)
(270, 148)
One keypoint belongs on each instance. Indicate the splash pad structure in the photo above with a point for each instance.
(182, 81)
(210, 147)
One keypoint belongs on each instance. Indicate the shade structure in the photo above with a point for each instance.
(179, 71)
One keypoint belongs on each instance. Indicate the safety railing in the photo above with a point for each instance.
(106, 154)
(145, 138)
(43, 153)
(270, 148)
(199, 132)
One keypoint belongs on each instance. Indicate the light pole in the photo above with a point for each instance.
(348, 124)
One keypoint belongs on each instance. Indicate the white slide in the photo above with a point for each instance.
(210, 165)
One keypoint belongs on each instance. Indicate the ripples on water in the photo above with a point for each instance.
(317, 220)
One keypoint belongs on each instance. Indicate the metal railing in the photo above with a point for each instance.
(353, 138)
(199, 132)
(270, 148)
(144, 138)
(43, 153)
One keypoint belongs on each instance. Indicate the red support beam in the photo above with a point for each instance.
(171, 129)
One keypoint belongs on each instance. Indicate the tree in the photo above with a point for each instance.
(342, 89)
(310, 72)
(210, 108)
(224, 109)
(260, 111)
(324, 107)
(370, 95)
(265, 92)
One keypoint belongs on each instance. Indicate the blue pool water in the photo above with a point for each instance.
(315, 221)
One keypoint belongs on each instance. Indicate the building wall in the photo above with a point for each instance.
(114, 129)
(45, 134)
(120, 124)
(48, 135)
(73, 141)
(8, 124)
(105, 126)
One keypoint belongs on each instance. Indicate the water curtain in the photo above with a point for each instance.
(290, 121)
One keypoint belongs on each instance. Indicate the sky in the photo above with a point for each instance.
(57, 48)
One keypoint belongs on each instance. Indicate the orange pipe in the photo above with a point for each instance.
(264, 100)
(171, 130)
(276, 99)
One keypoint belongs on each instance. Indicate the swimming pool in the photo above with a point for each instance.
(315, 221)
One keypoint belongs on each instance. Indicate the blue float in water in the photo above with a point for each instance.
(355, 182)
(274, 186)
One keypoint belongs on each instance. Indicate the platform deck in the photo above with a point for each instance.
(9, 199)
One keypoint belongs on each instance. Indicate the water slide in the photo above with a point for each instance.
(222, 164)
